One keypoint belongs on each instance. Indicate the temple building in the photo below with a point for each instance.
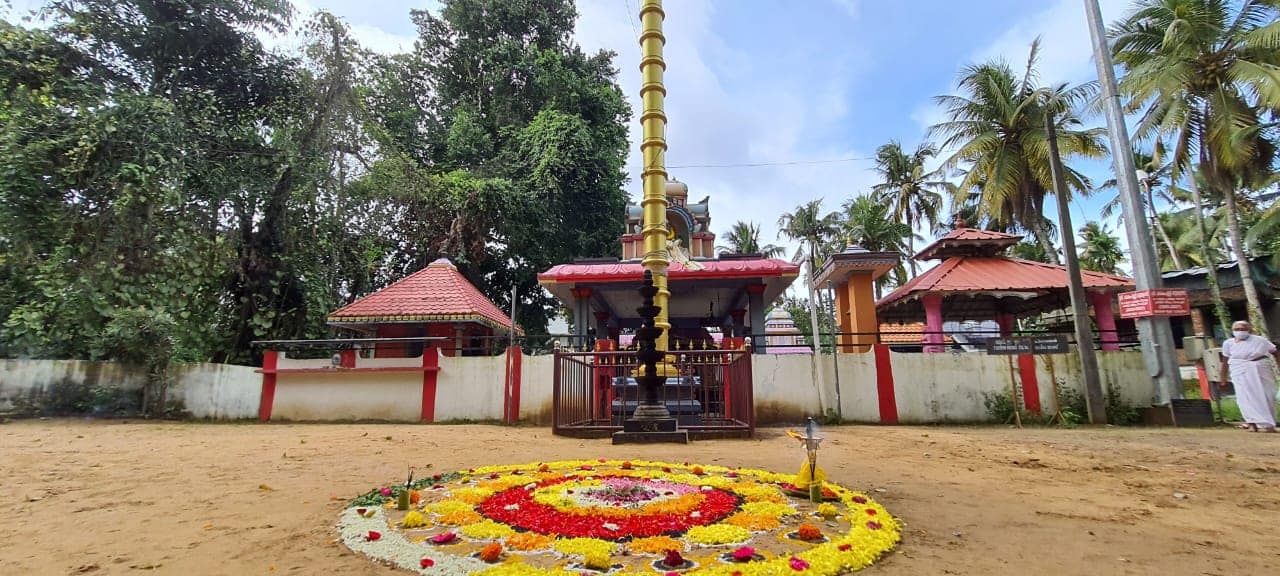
(688, 223)
(781, 335)
(437, 302)
(976, 280)
(728, 293)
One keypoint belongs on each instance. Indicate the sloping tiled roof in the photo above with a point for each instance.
(997, 274)
(633, 271)
(437, 293)
(912, 333)
(967, 242)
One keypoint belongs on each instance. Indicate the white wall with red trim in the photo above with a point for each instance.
(877, 386)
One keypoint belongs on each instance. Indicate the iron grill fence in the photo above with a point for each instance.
(595, 391)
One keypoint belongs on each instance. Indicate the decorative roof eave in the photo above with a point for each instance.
(631, 271)
(984, 242)
(348, 321)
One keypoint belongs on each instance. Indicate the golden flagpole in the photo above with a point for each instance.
(653, 149)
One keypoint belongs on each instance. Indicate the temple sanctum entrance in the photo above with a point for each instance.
(712, 396)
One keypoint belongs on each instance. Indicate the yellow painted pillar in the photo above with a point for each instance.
(653, 149)
(862, 311)
(844, 316)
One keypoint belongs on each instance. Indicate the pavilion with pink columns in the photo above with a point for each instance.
(976, 280)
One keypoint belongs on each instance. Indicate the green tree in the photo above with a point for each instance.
(744, 238)
(914, 193)
(500, 90)
(1100, 250)
(867, 222)
(996, 127)
(1030, 251)
(1206, 73)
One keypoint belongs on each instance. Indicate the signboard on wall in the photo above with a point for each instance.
(1044, 344)
(1167, 302)
(1008, 346)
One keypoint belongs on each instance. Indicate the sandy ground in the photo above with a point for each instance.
(173, 498)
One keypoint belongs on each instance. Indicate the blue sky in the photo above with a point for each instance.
(766, 81)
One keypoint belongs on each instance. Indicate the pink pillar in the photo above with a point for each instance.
(933, 337)
(1005, 321)
(1106, 319)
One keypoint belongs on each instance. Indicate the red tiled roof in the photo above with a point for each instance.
(633, 271)
(970, 240)
(912, 333)
(998, 273)
(437, 293)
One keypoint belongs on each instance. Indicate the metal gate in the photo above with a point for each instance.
(712, 397)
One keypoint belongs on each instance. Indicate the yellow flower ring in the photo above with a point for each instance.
(614, 517)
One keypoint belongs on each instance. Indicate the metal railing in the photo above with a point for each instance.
(595, 391)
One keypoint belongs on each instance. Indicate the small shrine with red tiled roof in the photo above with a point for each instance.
(977, 281)
(436, 301)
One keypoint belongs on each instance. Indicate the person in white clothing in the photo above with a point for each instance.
(1246, 356)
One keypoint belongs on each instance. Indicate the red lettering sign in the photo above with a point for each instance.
(1149, 303)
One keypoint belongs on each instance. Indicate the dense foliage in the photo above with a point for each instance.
(156, 156)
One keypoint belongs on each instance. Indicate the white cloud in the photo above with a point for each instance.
(729, 104)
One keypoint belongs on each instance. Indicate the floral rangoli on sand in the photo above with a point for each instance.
(577, 518)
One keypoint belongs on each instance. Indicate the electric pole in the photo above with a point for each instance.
(1155, 334)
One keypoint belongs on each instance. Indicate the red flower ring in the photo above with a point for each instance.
(517, 508)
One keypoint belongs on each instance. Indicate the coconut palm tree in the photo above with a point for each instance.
(996, 127)
(1206, 73)
(913, 193)
(808, 225)
(867, 222)
(744, 238)
(1153, 169)
(1100, 250)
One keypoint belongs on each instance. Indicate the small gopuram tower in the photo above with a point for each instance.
(852, 276)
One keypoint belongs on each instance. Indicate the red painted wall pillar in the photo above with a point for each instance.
(933, 337)
(269, 360)
(888, 400)
(1030, 383)
(430, 375)
(1106, 318)
(511, 408)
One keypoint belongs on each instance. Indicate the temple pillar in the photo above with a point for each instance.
(863, 321)
(844, 319)
(739, 323)
(602, 325)
(581, 312)
(1005, 321)
(755, 304)
(933, 337)
(1106, 318)
(459, 338)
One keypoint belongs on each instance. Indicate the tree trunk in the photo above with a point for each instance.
(1158, 227)
(1242, 264)
(911, 246)
(1042, 236)
(1211, 266)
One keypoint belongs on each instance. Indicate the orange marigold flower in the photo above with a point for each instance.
(809, 532)
(529, 541)
(491, 553)
(698, 470)
(414, 497)
(461, 518)
(656, 545)
(754, 522)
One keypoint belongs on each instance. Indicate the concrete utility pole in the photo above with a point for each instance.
(1094, 398)
(1155, 334)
